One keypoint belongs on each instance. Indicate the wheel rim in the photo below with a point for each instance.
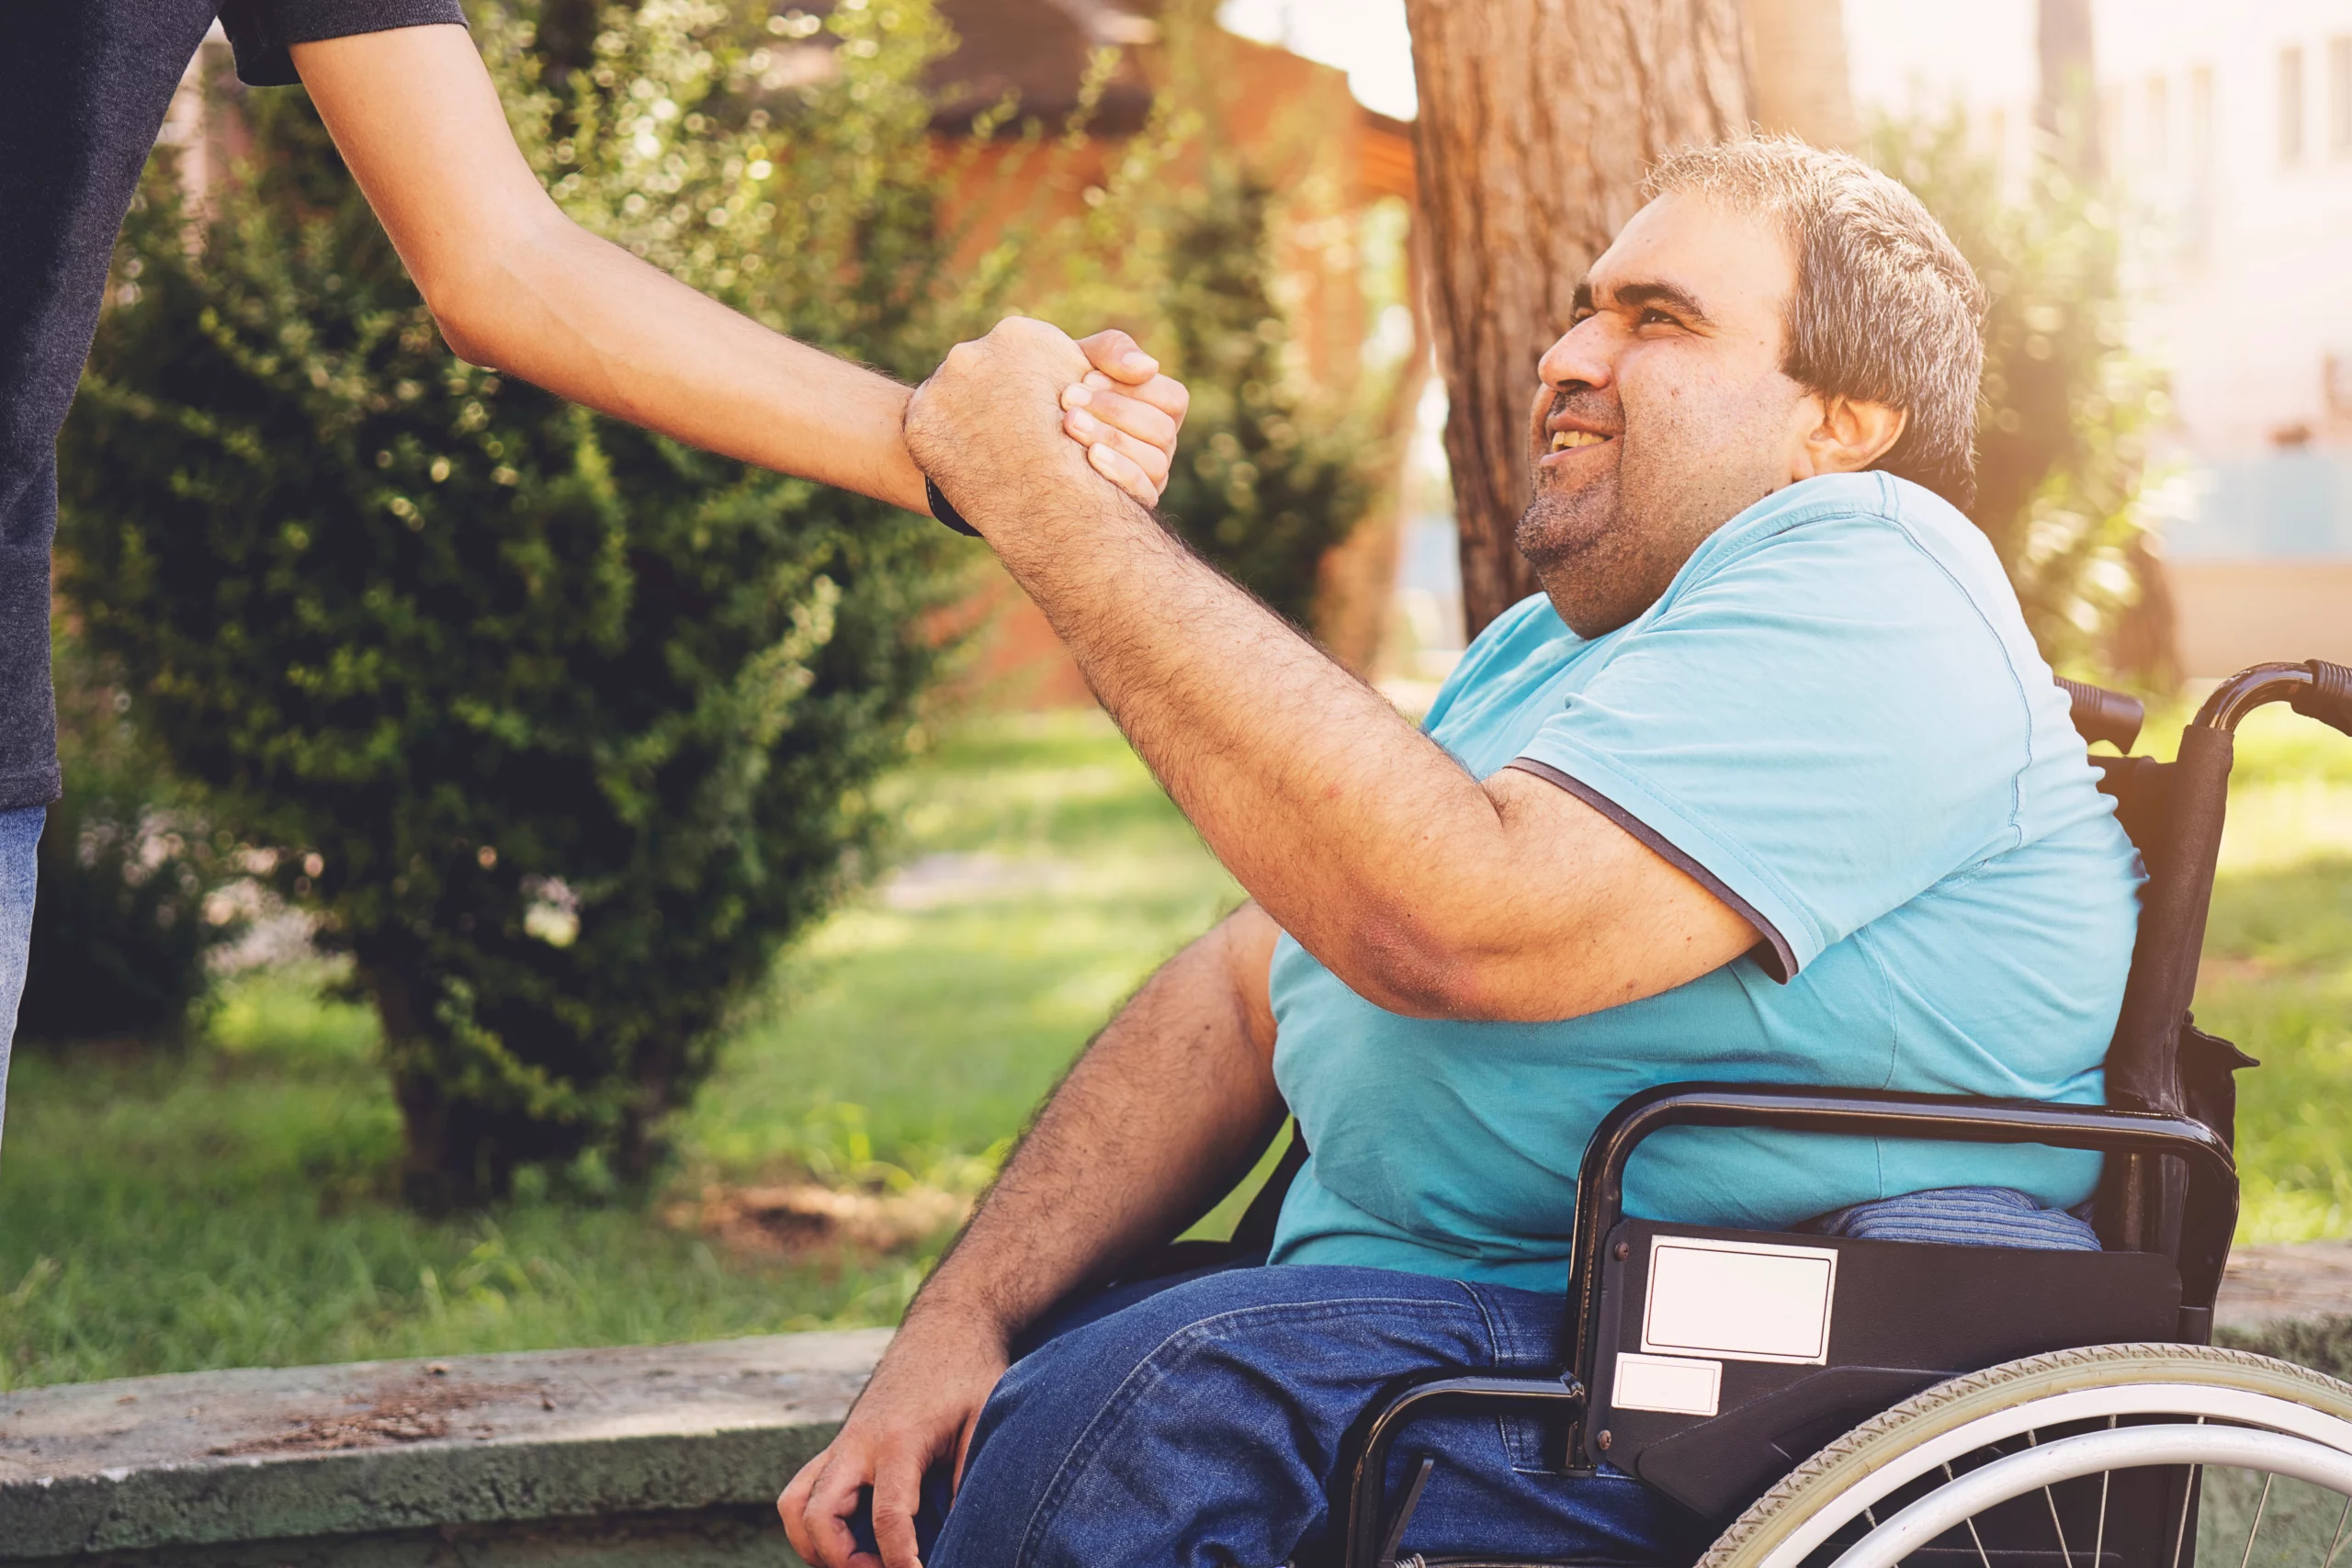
(2269, 1454)
(2241, 1408)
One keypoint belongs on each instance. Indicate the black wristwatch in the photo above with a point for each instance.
(944, 513)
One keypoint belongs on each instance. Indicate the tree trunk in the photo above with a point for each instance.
(1538, 119)
(1796, 54)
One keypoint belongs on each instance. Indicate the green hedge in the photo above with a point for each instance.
(565, 727)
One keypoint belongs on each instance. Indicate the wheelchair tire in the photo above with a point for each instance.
(2232, 1408)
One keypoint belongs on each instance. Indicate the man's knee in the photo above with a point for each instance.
(1215, 1409)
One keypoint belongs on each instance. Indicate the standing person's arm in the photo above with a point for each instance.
(516, 285)
(1164, 1112)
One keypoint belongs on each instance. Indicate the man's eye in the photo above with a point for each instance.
(1654, 317)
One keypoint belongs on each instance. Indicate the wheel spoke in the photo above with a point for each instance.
(2098, 1541)
(1981, 1554)
(2188, 1501)
(2260, 1503)
(2337, 1540)
(2033, 1440)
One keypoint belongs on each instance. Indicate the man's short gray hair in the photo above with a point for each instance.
(1885, 309)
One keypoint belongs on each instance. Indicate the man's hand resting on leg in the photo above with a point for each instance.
(1166, 1109)
(920, 1406)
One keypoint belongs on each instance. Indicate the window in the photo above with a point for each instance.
(2200, 119)
(2158, 142)
(2290, 105)
(2339, 97)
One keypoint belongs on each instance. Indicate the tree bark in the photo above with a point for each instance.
(1538, 119)
(1796, 52)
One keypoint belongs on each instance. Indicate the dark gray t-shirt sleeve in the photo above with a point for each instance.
(264, 32)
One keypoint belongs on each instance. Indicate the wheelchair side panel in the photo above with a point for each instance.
(1755, 1349)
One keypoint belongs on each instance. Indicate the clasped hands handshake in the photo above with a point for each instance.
(1010, 421)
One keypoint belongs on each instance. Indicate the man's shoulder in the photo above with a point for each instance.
(1865, 506)
(1840, 534)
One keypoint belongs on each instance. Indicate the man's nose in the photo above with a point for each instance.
(1581, 354)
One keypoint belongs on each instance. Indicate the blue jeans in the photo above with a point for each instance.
(20, 868)
(1203, 1423)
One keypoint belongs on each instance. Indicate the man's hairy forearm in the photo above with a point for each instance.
(1162, 1115)
(1358, 834)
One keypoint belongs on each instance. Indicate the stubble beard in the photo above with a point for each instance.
(1607, 548)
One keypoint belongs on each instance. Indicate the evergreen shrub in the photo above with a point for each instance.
(131, 875)
(566, 727)
(1266, 483)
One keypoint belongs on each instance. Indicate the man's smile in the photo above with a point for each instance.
(1576, 418)
(1569, 435)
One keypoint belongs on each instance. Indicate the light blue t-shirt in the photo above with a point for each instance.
(1835, 719)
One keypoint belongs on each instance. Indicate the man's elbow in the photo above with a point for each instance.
(1408, 964)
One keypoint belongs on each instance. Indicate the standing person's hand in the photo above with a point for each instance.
(919, 1408)
(1126, 414)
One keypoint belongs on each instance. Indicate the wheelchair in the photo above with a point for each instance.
(1858, 1403)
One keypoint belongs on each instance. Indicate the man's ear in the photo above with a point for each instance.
(1849, 438)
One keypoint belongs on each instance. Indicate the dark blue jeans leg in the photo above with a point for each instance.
(20, 868)
(1203, 1425)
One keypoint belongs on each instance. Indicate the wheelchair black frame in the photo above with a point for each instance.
(2212, 1197)
(2179, 1182)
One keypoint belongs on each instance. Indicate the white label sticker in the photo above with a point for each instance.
(1678, 1385)
(1745, 1301)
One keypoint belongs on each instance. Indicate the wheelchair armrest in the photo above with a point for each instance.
(1864, 1112)
(1367, 1478)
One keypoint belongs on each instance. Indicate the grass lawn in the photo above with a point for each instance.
(2278, 974)
(225, 1208)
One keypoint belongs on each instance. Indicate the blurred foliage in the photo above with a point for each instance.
(568, 727)
(1269, 477)
(131, 880)
(1208, 254)
(2061, 438)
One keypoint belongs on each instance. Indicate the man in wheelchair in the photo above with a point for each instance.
(1769, 784)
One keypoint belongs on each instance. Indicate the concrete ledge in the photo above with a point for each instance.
(378, 1462)
(560, 1459)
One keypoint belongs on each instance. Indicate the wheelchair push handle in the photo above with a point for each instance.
(2102, 715)
(2328, 697)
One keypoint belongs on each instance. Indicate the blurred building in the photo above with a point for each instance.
(2230, 131)
(2231, 127)
(1302, 134)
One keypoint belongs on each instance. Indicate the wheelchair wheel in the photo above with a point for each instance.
(2122, 1455)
